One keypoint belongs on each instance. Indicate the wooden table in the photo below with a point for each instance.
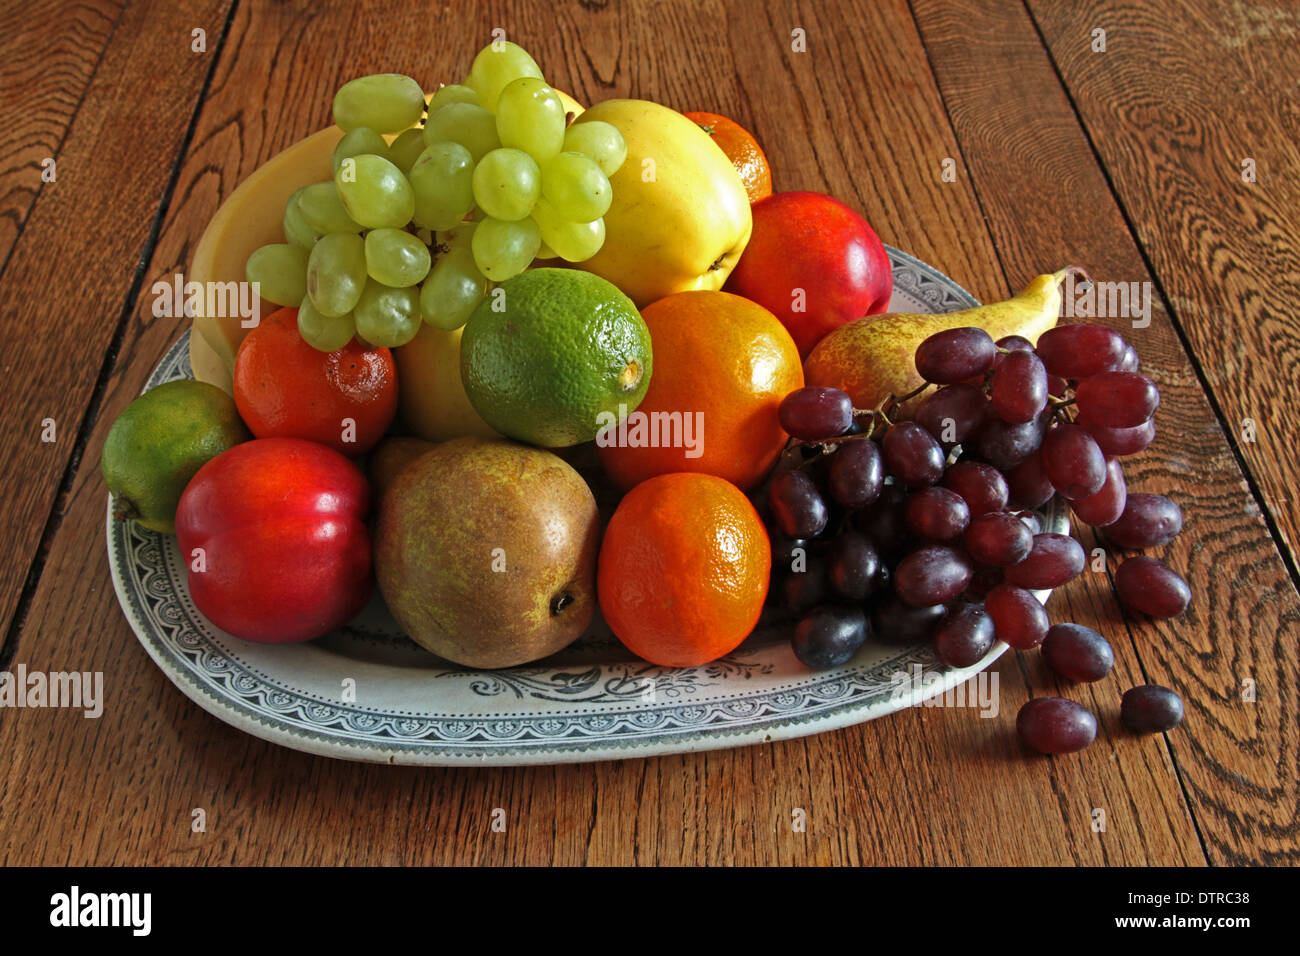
(1152, 143)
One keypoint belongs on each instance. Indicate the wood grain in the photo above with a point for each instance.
(76, 259)
(48, 53)
(1174, 113)
(858, 115)
(1047, 201)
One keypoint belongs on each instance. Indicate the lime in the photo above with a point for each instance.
(551, 354)
(160, 441)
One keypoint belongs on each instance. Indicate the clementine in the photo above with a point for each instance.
(683, 569)
(722, 366)
(741, 148)
(285, 388)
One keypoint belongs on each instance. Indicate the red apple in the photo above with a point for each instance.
(274, 534)
(814, 263)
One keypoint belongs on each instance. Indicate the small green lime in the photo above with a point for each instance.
(160, 441)
(552, 352)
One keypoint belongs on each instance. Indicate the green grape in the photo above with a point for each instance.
(296, 228)
(504, 249)
(495, 67)
(322, 209)
(471, 126)
(396, 258)
(600, 141)
(530, 116)
(452, 94)
(336, 273)
(324, 332)
(386, 102)
(375, 193)
(280, 270)
(506, 184)
(546, 252)
(387, 317)
(443, 182)
(452, 290)
(406, 149)
(574, 185)
(572, 241)
(359, 141)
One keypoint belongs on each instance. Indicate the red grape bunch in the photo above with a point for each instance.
(928, 530)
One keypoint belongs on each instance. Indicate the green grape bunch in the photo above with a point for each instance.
(430, 205)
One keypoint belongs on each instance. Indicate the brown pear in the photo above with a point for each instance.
(485, 551)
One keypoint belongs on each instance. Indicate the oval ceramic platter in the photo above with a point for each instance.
(366, 692)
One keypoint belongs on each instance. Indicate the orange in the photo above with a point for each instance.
(683, 569)
(741, 148)
(722, 366)
(285, 388)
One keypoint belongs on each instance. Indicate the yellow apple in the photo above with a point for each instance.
(680, 214)
(430, 397)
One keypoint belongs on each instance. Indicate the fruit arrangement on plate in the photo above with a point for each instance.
(526, 365)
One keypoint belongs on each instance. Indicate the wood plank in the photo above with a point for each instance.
(71, 269)
(1174, 113)
(1047, 200)
(48, 53)
(933, 785)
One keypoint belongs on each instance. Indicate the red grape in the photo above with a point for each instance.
(982, 486)
(1148, 521)
(816, 411)
(1073, 462)
(1151, 587)
(1019, 388)
(1150, 709)
(1106, 505)
(857, 474)
(1078, 653)
(932, 575)
(964, 636)
(937, 514)
(894, 622)
(998, 540)
(1004, 445)
(1117, 399)
(1054, 560)
(1013, 343)
(1018, 617)
(801, 590)
(953, 413)
(884, 521)
(1078, 351)
(829, 636)
(797, 505)
(855, 566)
(912, 455)
(1052, 725)
(1028, 485)
(1129, 361)
(1119, 441)
(955, 355)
